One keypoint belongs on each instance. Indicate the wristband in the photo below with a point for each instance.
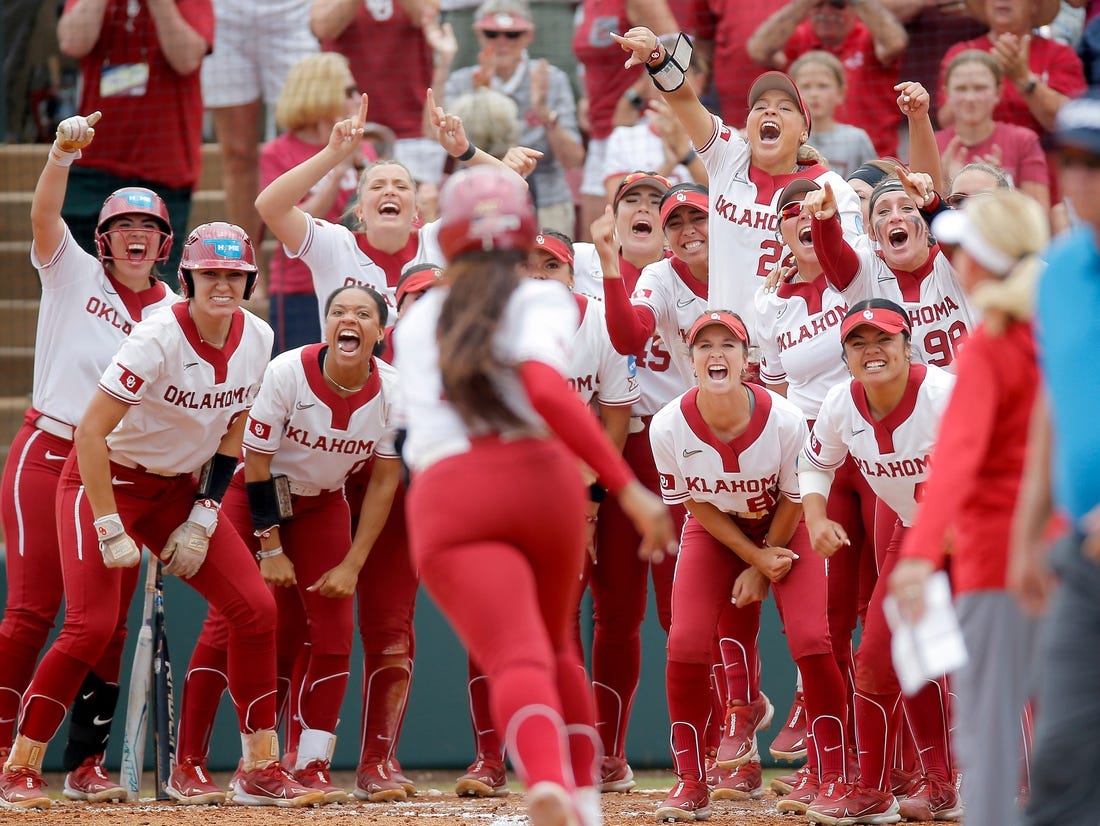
(63, 157)
(269, 554)
(471, 150)
(596, 492)
(669, 74)
(215, 476)
(269, 502)
(688, 157)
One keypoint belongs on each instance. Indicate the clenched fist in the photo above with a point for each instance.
(76, 132)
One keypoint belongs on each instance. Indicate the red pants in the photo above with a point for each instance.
(97, 597)
(498, 536)
(33, 560)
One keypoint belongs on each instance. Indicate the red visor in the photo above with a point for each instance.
(880, 318)
(727, 320)
(688, 197)
(556, 247)
(417, 282)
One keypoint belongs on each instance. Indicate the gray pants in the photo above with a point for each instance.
(1064, 786)
(991, 691)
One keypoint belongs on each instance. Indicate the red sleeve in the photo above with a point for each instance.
(573, 423)
(629, 325)
(272, 164)
(1033, 161)
(802, 40)
(966, 431)
(199, 15)
(838, 259)
(1064, 71)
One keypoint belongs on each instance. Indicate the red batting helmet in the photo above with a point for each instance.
(217, 246)
(133, 200)
(485, 208)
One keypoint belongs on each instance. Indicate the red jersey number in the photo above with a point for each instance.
(943, 345)
(656, 359)
(770, 253)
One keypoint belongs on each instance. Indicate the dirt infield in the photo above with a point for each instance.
(436, 803)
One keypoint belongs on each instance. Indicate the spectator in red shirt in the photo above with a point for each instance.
(973, 83)
(139, 66)
(866, 38)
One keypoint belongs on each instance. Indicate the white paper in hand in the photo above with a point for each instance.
(931, 647)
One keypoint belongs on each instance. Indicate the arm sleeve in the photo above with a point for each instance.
(839, 261)
(629, 325)
(573, 423)
(962, 445)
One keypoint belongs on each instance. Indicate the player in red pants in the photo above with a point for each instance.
(89, 305)
(172, 402)
(489, 416)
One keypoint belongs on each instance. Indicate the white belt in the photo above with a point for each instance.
(749, 515)
(122, 461)
(55, 428)
(298, 489)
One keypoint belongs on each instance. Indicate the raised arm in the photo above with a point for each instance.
(47, 226)
(839, 261)
(277, 204)
(329, 18)
(183, 47)
(766, 44)
(924, 152)
(79, 27)
(886, 30)
(628, 325)
(644, 49)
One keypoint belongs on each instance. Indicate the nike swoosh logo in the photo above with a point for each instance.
(301, 406)
(691, 452)
(828, 749)
(189, 364)
(857, 432)
(87, 696)
(116, 481)
(55, 457)
(685, 302)
(99, 721)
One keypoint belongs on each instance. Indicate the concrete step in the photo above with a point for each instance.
(15, 210)
(21, 164)
(16, 370)
(19, 278)
(11, 419)
(18, 320)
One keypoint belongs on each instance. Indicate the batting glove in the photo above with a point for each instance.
(118, 549)
(73, 134)
(186, 548)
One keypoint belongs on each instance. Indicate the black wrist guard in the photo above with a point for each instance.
(215, 476)
(596, 492)
(269, 502)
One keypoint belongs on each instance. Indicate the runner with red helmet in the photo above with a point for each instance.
(88, 307)
(481, 360)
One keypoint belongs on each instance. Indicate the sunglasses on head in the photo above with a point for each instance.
(791, 210)
(956, 199)
(637, 176)
(493, 35)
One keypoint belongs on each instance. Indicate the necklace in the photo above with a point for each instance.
(324, 369)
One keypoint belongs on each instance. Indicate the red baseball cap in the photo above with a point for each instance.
(723, 318)
(556, 247)
(781, 81)
(639, 179)
(417, 280)
(688, 195)
(881, 318)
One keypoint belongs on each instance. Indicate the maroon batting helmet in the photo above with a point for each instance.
(217, 246)
(485, 208)
(133, 200)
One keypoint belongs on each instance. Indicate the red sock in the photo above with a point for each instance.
(927, 713)
(486, 737)
(826, 709)
(689, 708)
(203, 686)
(875, 731)
(385, 694)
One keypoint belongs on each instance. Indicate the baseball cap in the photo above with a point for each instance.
(638, 179)
(881, 318)
(781, 81)
(503, 16)
(1077, 124)
(723, 318)
(795, 191)
(693, 195)
(416, 280)
(556, 247)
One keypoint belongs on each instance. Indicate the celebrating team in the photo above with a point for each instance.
(779, 383)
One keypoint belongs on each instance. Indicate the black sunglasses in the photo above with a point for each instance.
(493, 35)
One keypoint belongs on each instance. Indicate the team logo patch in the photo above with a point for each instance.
(815, 445)
(667, 482)
(680, 196)
(225, 247)
(259, 429)
(867, 314)
(131, 381)
(725, 133)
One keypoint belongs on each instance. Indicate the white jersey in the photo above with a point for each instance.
(83, 318)
(676, 299)
(798, 325)
(185, 394)
(596, 371)
(744, 225)
(317, 437)
(428, 250)
(587, 270)
(538, 324)
(893, 454)
(938, 309)
(744, 477)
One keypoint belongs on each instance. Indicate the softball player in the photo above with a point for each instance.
(481, 360)
(605, 381)
(726, 450)
(88, 307)
(886, 419)
(909, 267)
(173, 401)
(745, 174)
(323, 411)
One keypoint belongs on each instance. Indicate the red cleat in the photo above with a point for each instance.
(743, 720)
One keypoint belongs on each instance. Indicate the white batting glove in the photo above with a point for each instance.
(73, 134)
(118, 549)
(186, 548)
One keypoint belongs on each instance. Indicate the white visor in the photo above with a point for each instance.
(955, 227)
